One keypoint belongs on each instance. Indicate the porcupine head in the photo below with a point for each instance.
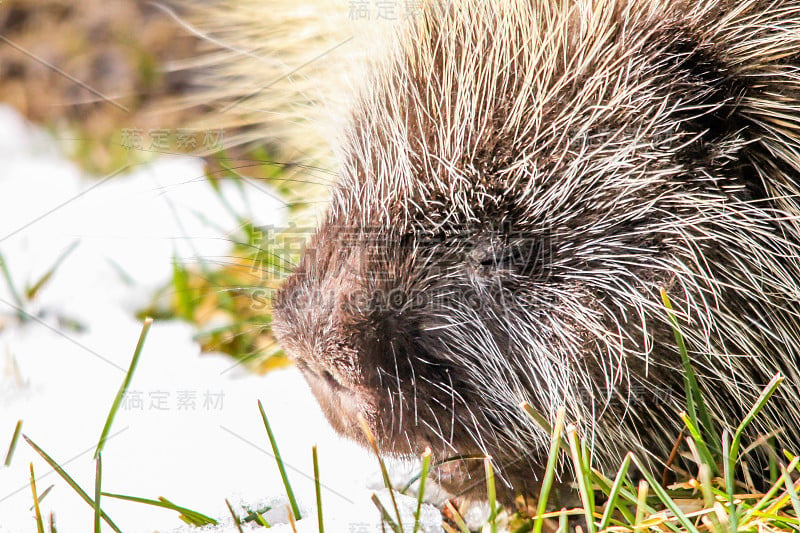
(517, 180)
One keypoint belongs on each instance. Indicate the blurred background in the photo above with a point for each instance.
(112, 83)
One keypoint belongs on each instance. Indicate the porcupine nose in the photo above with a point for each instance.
(314, 369)
(331, 339)
(320, 326)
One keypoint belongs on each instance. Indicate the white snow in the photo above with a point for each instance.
(189, 429)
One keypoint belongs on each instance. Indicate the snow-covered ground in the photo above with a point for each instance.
(189, 429)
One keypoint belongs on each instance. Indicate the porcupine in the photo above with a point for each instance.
(516, 181)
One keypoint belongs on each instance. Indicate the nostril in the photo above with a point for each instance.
(328, 377)
(318, 372)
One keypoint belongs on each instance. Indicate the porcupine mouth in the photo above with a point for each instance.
(340, 404)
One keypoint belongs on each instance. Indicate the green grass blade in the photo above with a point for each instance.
(98, 475)
(31, 292)
(707, 489)
(695, 404)
(613, 495)
(550, 469)
(706, 457)
(457, 518)
(426, 464)
(759, 405)
(537, 417)
(281, 468)
(192, 518)
(582, 477)
(187, 515)
(543, 423)
(71, 482)
(39, 523)
(641, 504)
(13, 290)
(773, 461)
(563, 521)
(184, 306)
(413, 479)
(235, 518)
(385, 516)
(491, 494)
(586, 457)
(664, 498)
(13, 445)
(317, 490)
(728, 473)
(384, 472)
(121, 393)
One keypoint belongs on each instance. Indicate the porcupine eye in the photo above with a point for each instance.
(503, 258)
(522, 256)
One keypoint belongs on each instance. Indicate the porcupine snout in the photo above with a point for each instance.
(393, 326)
(334, 318)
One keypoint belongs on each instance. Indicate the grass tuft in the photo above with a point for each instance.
(711, 501)
(71, 482)
(582, 475)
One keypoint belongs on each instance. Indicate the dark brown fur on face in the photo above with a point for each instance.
(518, 181)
